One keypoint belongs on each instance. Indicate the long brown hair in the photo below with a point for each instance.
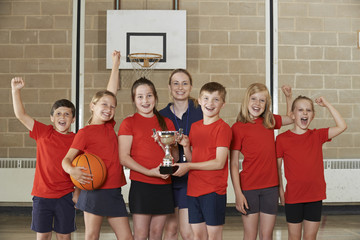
(97, 97)
(244, 115)
(184, 71)
(145, 81)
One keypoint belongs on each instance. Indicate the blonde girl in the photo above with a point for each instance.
(256, 187)
(100, 139)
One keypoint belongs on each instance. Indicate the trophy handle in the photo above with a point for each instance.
(156, 137)
(180, 132)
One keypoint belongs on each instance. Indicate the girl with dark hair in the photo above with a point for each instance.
(150, 196)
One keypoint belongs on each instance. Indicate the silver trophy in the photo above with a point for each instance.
(167, 138)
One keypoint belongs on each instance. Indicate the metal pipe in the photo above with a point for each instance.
(176, 4)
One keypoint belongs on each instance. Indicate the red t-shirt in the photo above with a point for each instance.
(257, 144)
(50, 181)
(204, 140)
(144, 150)
(102, 141)
(303, 163)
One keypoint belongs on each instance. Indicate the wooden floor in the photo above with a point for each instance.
(339, 227)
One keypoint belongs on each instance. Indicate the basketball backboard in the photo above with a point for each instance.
(147, 31)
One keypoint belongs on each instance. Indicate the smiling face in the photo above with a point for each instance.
(257, 104)
(302, 114)
(62, 119)
(103, 110)
(180, 86)
(144, 100)
(211, 104)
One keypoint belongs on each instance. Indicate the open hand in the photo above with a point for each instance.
(241, 204)
(80, 176)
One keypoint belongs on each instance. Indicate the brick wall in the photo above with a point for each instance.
(318, 57)
(225, 43)
(35, 43)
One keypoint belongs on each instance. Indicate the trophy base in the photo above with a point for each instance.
(168, 169)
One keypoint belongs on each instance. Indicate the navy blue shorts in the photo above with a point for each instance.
(103, 202)
(264, 200)
(209, 208)
(180, 197)
(310, 211)
(153, 199)
(56, 214)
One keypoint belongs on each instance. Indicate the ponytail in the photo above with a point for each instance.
(161, 120)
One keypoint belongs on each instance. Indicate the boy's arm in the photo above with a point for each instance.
(340, 122)
(213, 164)
(185, 142)
(17, 84)
(286, 119)
(281, 184)
(240, 200)
(113, 83)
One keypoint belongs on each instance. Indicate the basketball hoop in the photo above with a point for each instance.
(144, 63)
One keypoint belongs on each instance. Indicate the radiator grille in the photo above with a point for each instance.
(17, 163)
(328, 163)
(335, 164)
(342, 164)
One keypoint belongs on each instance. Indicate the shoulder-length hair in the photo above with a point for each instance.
(97, 97)
(244, 115)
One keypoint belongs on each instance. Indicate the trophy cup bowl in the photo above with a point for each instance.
(167, 138)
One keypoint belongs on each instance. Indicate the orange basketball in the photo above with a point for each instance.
(94, 166)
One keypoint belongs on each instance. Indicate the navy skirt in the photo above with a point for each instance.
(103, 202)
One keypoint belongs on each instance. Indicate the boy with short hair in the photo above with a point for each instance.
(208, 170)
(53, 207)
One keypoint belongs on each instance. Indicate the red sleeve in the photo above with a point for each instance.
(40, 130)
(224, 137)
(278, 121)
(126, 127)
(323, 135)
(79, 140)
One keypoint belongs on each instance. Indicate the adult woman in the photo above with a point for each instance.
(183, 111)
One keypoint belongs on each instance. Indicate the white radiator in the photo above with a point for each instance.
(342, 178)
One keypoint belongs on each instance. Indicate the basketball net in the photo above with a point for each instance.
(144, 63)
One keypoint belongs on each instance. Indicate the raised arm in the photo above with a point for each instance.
(17, 83)
(240, 200)
(113, 83)
(286, 119)
(339, 121)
